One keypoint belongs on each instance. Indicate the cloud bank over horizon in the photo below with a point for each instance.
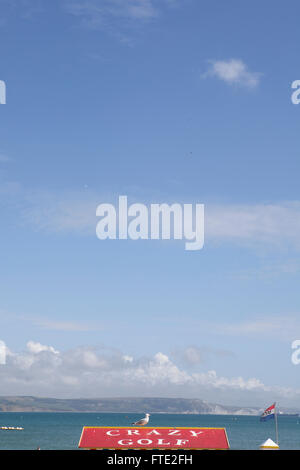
(89, 373)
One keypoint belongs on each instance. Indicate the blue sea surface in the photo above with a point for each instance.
(61, 431)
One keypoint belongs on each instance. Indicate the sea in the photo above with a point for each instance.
(62, 431)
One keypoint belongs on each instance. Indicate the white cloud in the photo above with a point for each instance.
(211, 378)
(158, 370)
(195, 355)
(233, 72)
(128, 358)
(36, 348)
(88, 372)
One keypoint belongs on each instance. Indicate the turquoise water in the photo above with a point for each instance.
(55, 431)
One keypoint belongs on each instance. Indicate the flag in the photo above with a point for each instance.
(268, 413)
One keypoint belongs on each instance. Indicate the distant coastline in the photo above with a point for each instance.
(125, 405)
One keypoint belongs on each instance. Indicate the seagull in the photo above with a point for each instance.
(142, 421)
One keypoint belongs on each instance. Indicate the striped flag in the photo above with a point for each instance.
(268, 413)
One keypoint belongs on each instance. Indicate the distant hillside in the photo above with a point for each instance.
(119, 405)
(123, 405)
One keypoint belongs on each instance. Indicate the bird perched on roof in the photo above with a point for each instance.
(143, 421)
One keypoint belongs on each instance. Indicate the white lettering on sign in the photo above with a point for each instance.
(161, 442)
(195, 434)
(181, 442)
(144, 442)
(109, 433)
(153, 432)
(131, 432)
(136, 432)
(125, 442)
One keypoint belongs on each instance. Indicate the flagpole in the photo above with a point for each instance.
(276, 424)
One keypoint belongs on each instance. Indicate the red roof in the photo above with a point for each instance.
(104, 437)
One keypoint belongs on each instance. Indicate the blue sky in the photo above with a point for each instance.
(163, 101)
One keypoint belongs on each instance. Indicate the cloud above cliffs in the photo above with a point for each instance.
(89, 372)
